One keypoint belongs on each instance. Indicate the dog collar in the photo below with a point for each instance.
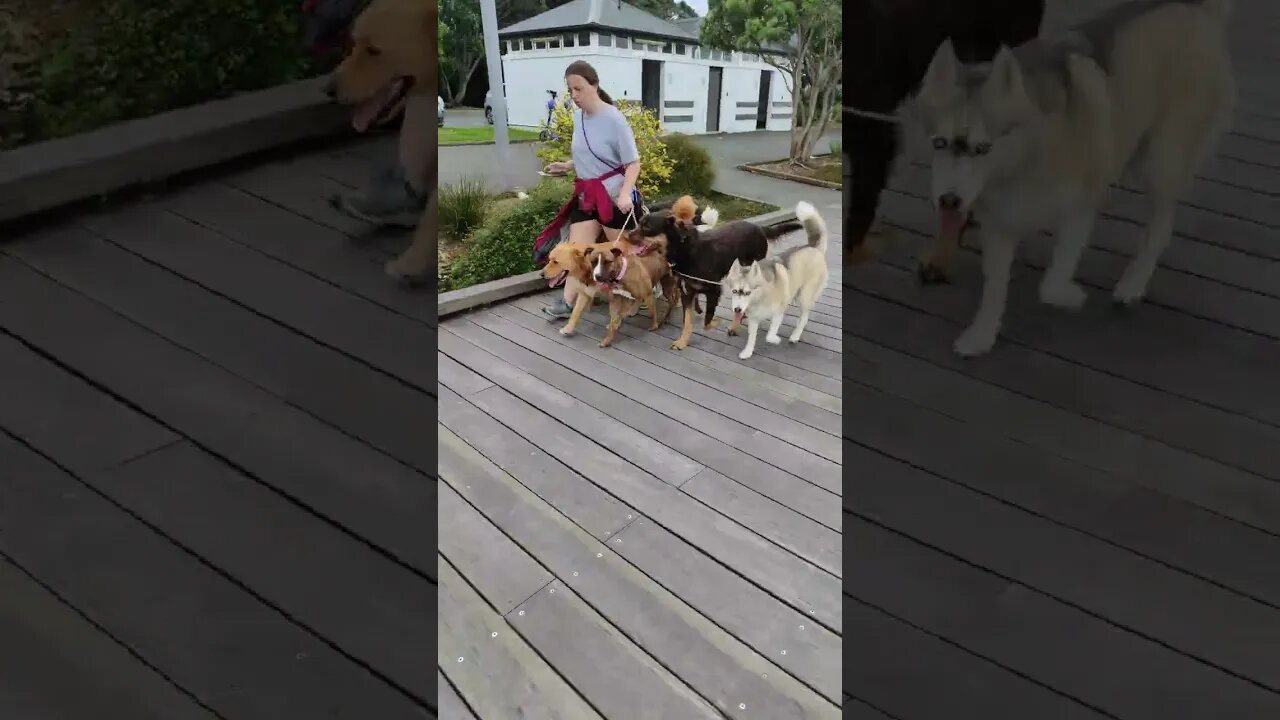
(621, 273)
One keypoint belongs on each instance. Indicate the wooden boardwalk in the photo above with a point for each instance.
(215, 459)
(635, 532)
(1086, 522)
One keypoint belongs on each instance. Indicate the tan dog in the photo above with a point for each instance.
(571, 260)
(629, 278)
(394, 56)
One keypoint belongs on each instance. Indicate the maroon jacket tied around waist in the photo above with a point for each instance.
(588, 194)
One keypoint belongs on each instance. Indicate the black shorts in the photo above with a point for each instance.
(577, 215)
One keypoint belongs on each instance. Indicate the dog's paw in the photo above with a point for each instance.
(1128, 293)
(679, 345)
(744, 354)
(772, 339)
(567, 331)
(929, 274)
(404, 272)
(1067, 296)
(795, 337)
(711, 324)
(974, 342)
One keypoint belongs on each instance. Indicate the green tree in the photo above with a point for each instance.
(462, 45)
(809, 31)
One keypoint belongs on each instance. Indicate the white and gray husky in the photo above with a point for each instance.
(1033, 139)
(765, 289)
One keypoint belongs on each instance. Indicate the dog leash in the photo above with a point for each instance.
(882, 117)
(693, 277)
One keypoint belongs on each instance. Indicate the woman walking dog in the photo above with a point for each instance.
(606, 162)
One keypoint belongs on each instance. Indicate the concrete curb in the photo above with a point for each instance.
(748, 167)
(48, 175)
(488, 142)
(496, 291)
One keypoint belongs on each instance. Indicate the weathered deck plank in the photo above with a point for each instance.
(216, 453)
(237, 655)
(715, 664)
(708, 483)
(49, 648)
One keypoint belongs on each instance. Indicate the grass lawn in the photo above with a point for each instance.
(458, 135)
(824, 167)
(732, 207)
(830, 172)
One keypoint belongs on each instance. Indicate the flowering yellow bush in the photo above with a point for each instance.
(655, 165)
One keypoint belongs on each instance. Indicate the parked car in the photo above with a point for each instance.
(439, 111)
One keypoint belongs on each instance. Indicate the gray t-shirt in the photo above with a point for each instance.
(611, 138)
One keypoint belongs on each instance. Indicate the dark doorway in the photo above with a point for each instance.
(762, 115)
(651, 85)
(713, 99)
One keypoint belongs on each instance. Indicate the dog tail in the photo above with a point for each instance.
(773, 232)
(709, 217)
(814, 226)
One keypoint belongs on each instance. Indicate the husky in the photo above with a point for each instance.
(1033, 139)
(891, 46)
(766, 290)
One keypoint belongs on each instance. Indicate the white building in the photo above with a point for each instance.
(693, 89)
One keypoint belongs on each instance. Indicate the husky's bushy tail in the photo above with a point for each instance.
(814, 226)
(773, 232)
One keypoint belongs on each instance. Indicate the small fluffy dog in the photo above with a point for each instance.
(766, 290)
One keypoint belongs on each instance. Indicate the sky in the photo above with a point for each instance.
(699, 5)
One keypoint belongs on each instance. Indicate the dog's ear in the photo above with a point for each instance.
(616, 251)
(1005, 81)
(939, 83)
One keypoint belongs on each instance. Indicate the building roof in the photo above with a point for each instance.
(600, 14)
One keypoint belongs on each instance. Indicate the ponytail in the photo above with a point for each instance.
(583, 69)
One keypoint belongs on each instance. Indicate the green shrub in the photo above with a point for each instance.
(836, 147)
(692, 171)
(462, 206)
(136, 58)
(503, 245)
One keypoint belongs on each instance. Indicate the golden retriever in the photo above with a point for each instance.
(394, 55)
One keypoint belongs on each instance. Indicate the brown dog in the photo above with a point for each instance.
(628, 278)
(394, 56)
(573, 261)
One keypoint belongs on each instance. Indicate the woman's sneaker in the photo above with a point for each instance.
(558, 310)
(391, 201)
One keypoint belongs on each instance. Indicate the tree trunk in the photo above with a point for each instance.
(466, 79)
(446, 90)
